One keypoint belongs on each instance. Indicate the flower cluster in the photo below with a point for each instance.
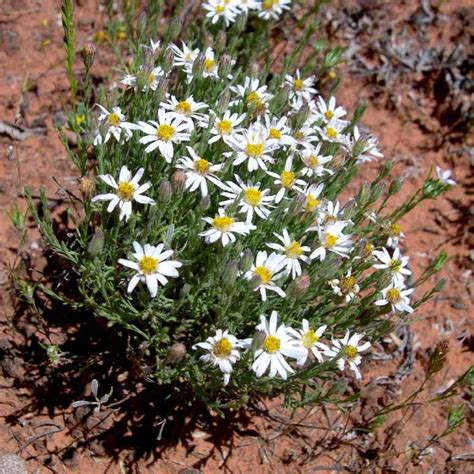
(224, 187)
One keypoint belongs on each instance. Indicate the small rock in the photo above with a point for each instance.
(458, 305)
(12, 464)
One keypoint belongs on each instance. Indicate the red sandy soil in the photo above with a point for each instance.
(33, 89)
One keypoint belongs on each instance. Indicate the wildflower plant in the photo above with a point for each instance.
(243, 250)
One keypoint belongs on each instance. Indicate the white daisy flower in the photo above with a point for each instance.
(370, 150)
(267, 268)
(112, 124)
(127, 189)
(246, 5)
(153, 47)
(328, 111)
(226, 128)
(169, 129)
(445, 176)
(223, 352)
(278, 131)
(198, 171)
(350, 348)
(305, 136)
(396, 295)
(395, 234)
(185, 56)
(254, 148)
(252, 92)
(396, 264)
(308, 340)
(211, 66)
(332, 132)
(152, 80)
(277, 344)
(152, 267)
(251, 199)
(314, 162)
(187, 109)
(286, 180)
(292, 251)
(312, 193)
(223, 228)
(217, 9)
(346, 287)
(331, 212)
(300, 89)
(331, 239)
(272, 9)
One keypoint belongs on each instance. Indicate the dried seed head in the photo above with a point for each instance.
(246, 260)
(96, 243)
(229, 275)
(299, 286)
(178, 180)
(438, 357)
(176, 353)
(88, 54)
(164, 191)
(87, 186)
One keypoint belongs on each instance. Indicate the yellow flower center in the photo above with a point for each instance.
(165, 132)
(287, 179)
(224, 127)
(395, 230)
(299, 135)
(329, 114)
(184, 107)
(293, 250)
(114, 119)
(126, 190)
(347, 284)
(308, 339)
(252, 196)
(220, 9)
(151, 78)
(351, 352)
(271, 344)
(395, 265)
(209, 65)
(368, 249)
(201, 166)
(331, 240)
(254, 98)
(264, 273)
(148, 264)
(222, 348)
(275, 133)
(254, 149)
(81, 118)
(312, 161)
(393, 295)
(223, 223)
(331, 132)
(298, 85)
(311, 203)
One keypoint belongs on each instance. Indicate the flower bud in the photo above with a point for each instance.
(205, 203)
(297, 205)
(161, 90)
(174, 29)
(299, 286)
(178, 180)
(220, 43)
(223, 103)
(198, 66)
(96, 243)
(225, 65)
(87, 186)
(246, 260)
(349, 209)
(164, 191)
(185, 290)
(167, 62)
(358, 147)
(229, 275)
(395, 186)
(300, 117)
(363, 195)
(254, 70)
(88, 54)
(176, 353)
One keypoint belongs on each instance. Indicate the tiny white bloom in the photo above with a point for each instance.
(272, 9)
(266, 270)
(152, 267)
(226, 127)
(349, 347)
(346, 287)
(396, 264)
(112, 124)
(151, 80)
(331, 239)
(187, 109)
(198, 171)
(309, 341)
(278, 131)
(332, 132)
(328, 111)
(251, 199)
(300, 89)
(370, 150)
(277, 344)
(394, 235)
(223, 351)
(445, 176)
(396, 295)
(252, 92)
(169, 129)
(312, 193)
(246, 5)
(217, 9)
(314, 161)
(223, 228)
(286, 180)
(292, 251)
(184, 56)
(127, 190)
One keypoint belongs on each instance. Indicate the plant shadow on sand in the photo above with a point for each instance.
(141, 419)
